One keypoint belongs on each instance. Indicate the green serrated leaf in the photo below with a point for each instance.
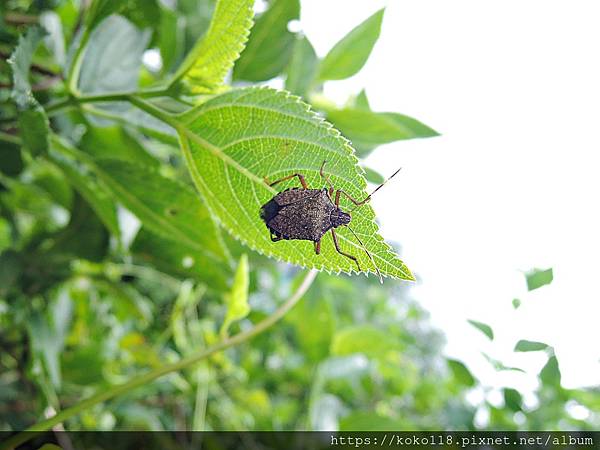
(32, 119)
(484, 328)
(365, 339)
(350, 54)
(270, 44)
(237, 298)
(302, 68)
(537, 278)
(367, 129)
(530, 346)
(20, 62)
(234, 140)
(113, 57)
(206, 65)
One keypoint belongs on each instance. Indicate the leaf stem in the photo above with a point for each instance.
(75, 67)
(148, 377)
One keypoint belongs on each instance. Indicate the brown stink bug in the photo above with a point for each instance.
(307, 214)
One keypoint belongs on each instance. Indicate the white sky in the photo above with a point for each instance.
(512, 183)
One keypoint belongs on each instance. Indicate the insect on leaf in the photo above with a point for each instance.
(237, 298)
(208, 62)
(234, 140)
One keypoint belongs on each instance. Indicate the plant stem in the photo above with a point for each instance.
(75, 67)
(9, 138)
(148, 377)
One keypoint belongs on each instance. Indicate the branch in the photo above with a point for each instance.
(148, 377)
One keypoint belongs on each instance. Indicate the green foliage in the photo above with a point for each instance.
(530, 346)
(270, 44)
(114, 264)
(206, 65)
(237, 298)
(113, 57)
(484, 328)
(302, 68)
(31, 115)
(537, 278)
(350, 54)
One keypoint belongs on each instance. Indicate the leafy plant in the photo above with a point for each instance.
(132, 253)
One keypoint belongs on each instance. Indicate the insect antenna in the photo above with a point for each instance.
(368, 254)
(379, 187)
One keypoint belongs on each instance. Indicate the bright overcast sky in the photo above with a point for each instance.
(513, 86)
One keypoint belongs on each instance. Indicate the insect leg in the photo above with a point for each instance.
(337, 247)
(327, 180)
(276, 238)
(352, 199)
(289, 177)
(318, 247)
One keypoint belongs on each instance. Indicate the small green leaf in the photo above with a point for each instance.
(350, 54)
(20, 62)
(461, 373)
(206, 65)
(550, 373)
(513, 399)
(361, 101)
(373, 176)
(113, 57)
(516, 303)
(270, 44)
(530, 346)
(368, 129)
(485, 329)
(537, 278)
(234, 140)
(237, 298)
(170, 39)
(302, 68)
(365, 339)
(500, 366)
(32, 119)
